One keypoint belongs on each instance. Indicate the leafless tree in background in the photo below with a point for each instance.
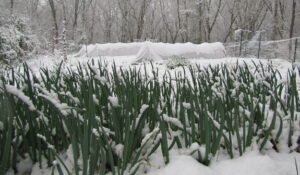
(11, 7)
(293, 16)
(92, 21)
(76, 11)
(53, 12)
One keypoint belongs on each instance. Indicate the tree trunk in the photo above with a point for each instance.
(53, 11)
(12, 2)
(64, 32)
(293, 19)
(93, 24)
(123, 6)
(141, 21)
(75, 18)
(200, 23)
(275, 32)
(83, 19)
(210, 26)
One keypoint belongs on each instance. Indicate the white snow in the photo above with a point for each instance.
(114, 101)
(24, 167)
(181, 163)
(173, 121)
(96, 101)
(119, 150)
(16, 92)
(186, 105)
(142, 110)
(69, 94)
(150, 135)
(63, 108)
(252, 163)
(1, 126)
(154, 51)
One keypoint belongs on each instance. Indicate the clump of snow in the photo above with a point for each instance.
(96, 101)
(142, 110)
(114, 101)
(187, 105)
(119, 150)
(41, 137)
(24, 166)
(95, 132)
(173, 121)
(102, 79)
(150, 135)
(63, 108)
(69, 94)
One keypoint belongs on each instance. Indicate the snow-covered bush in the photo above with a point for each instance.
(16, 40)
(177, 61)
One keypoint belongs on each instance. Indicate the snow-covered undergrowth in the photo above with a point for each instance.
(16, 40)
(177, 61)
(99, 119)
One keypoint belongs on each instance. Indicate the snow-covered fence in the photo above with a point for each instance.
(260, 48)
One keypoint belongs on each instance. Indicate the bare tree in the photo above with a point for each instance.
(210, 23)
(124, 9)
(91, 29)
(140, 19)
(293, 16)
(53, 11)
(76, 9)
(232, 19)
(108, 12)
(275, 23)
(12, 2)
(172, 28)
(200, 11)
(166, 20)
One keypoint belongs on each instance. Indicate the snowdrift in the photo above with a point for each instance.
(154, 51)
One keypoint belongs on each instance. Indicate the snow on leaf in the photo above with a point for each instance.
(114, 101)
(14, 91)
(186, 105)
(173, 121)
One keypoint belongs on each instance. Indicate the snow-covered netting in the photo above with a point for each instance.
(259, 47)
(154, 51)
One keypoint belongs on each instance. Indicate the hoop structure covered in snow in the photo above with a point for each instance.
(154, 51)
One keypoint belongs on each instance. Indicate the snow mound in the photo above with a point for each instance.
(154, 51)
(252, 163)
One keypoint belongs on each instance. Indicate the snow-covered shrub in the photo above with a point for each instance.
(177, 61)
(16, 40)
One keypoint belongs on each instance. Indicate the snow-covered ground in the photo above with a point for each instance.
(127, 61)
(251, 163)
